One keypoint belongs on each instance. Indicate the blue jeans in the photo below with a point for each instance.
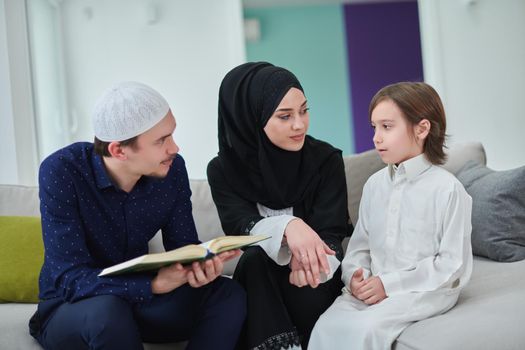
(208, 317)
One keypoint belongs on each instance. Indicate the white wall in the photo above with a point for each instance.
(9, 172)
(184, 54)
(47, 75)
(474, 54)
(18, 120)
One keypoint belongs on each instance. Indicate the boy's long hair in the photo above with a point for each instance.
(418, 101)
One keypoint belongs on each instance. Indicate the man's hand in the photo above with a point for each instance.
(229, 255)
(198, 274)
(204, 272)
(308, 249)
(371, 291)
(168, 278)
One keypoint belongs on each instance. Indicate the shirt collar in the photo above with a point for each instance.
(142, 187)
(411, 168)
(101, 176)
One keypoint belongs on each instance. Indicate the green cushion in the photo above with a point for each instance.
(21, 258)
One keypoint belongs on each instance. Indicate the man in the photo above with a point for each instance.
(101, 203)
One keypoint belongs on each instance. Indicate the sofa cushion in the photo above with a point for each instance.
(14, 330)
(458, 154)
(21, 257)
(489, 313)
(358, 168)
(498, 211)
(14, 327)
(19, 200)
(206, 220)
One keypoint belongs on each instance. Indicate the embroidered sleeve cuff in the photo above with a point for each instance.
(274, 226)
(334, 264)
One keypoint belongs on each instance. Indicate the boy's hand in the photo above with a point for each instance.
(371, 291)
(357, 281)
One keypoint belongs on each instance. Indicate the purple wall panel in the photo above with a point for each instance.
(383, 47)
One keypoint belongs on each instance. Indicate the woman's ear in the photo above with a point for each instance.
(422, 130)
(116, 151)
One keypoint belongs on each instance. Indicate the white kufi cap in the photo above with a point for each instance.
(126, 110)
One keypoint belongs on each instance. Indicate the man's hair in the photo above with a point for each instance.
(101, 147)
(418, 101)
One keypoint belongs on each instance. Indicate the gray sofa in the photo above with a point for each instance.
(490, 313)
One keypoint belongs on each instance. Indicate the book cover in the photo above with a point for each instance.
(183, 255)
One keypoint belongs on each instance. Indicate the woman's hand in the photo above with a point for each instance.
(308, 249)
(299, 277)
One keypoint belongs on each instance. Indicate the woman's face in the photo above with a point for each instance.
(288, 124)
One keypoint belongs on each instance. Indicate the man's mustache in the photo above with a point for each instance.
(169, 158)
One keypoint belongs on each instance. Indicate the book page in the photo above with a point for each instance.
(225, 243)
(182, 254)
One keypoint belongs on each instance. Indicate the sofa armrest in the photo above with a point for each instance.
(17, 200)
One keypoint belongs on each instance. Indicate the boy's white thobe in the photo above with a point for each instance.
(413, 232)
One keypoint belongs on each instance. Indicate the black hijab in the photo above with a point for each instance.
(257, 169)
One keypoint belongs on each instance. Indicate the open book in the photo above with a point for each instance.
(183, 255)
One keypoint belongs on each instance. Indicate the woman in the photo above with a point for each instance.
(271, 178)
